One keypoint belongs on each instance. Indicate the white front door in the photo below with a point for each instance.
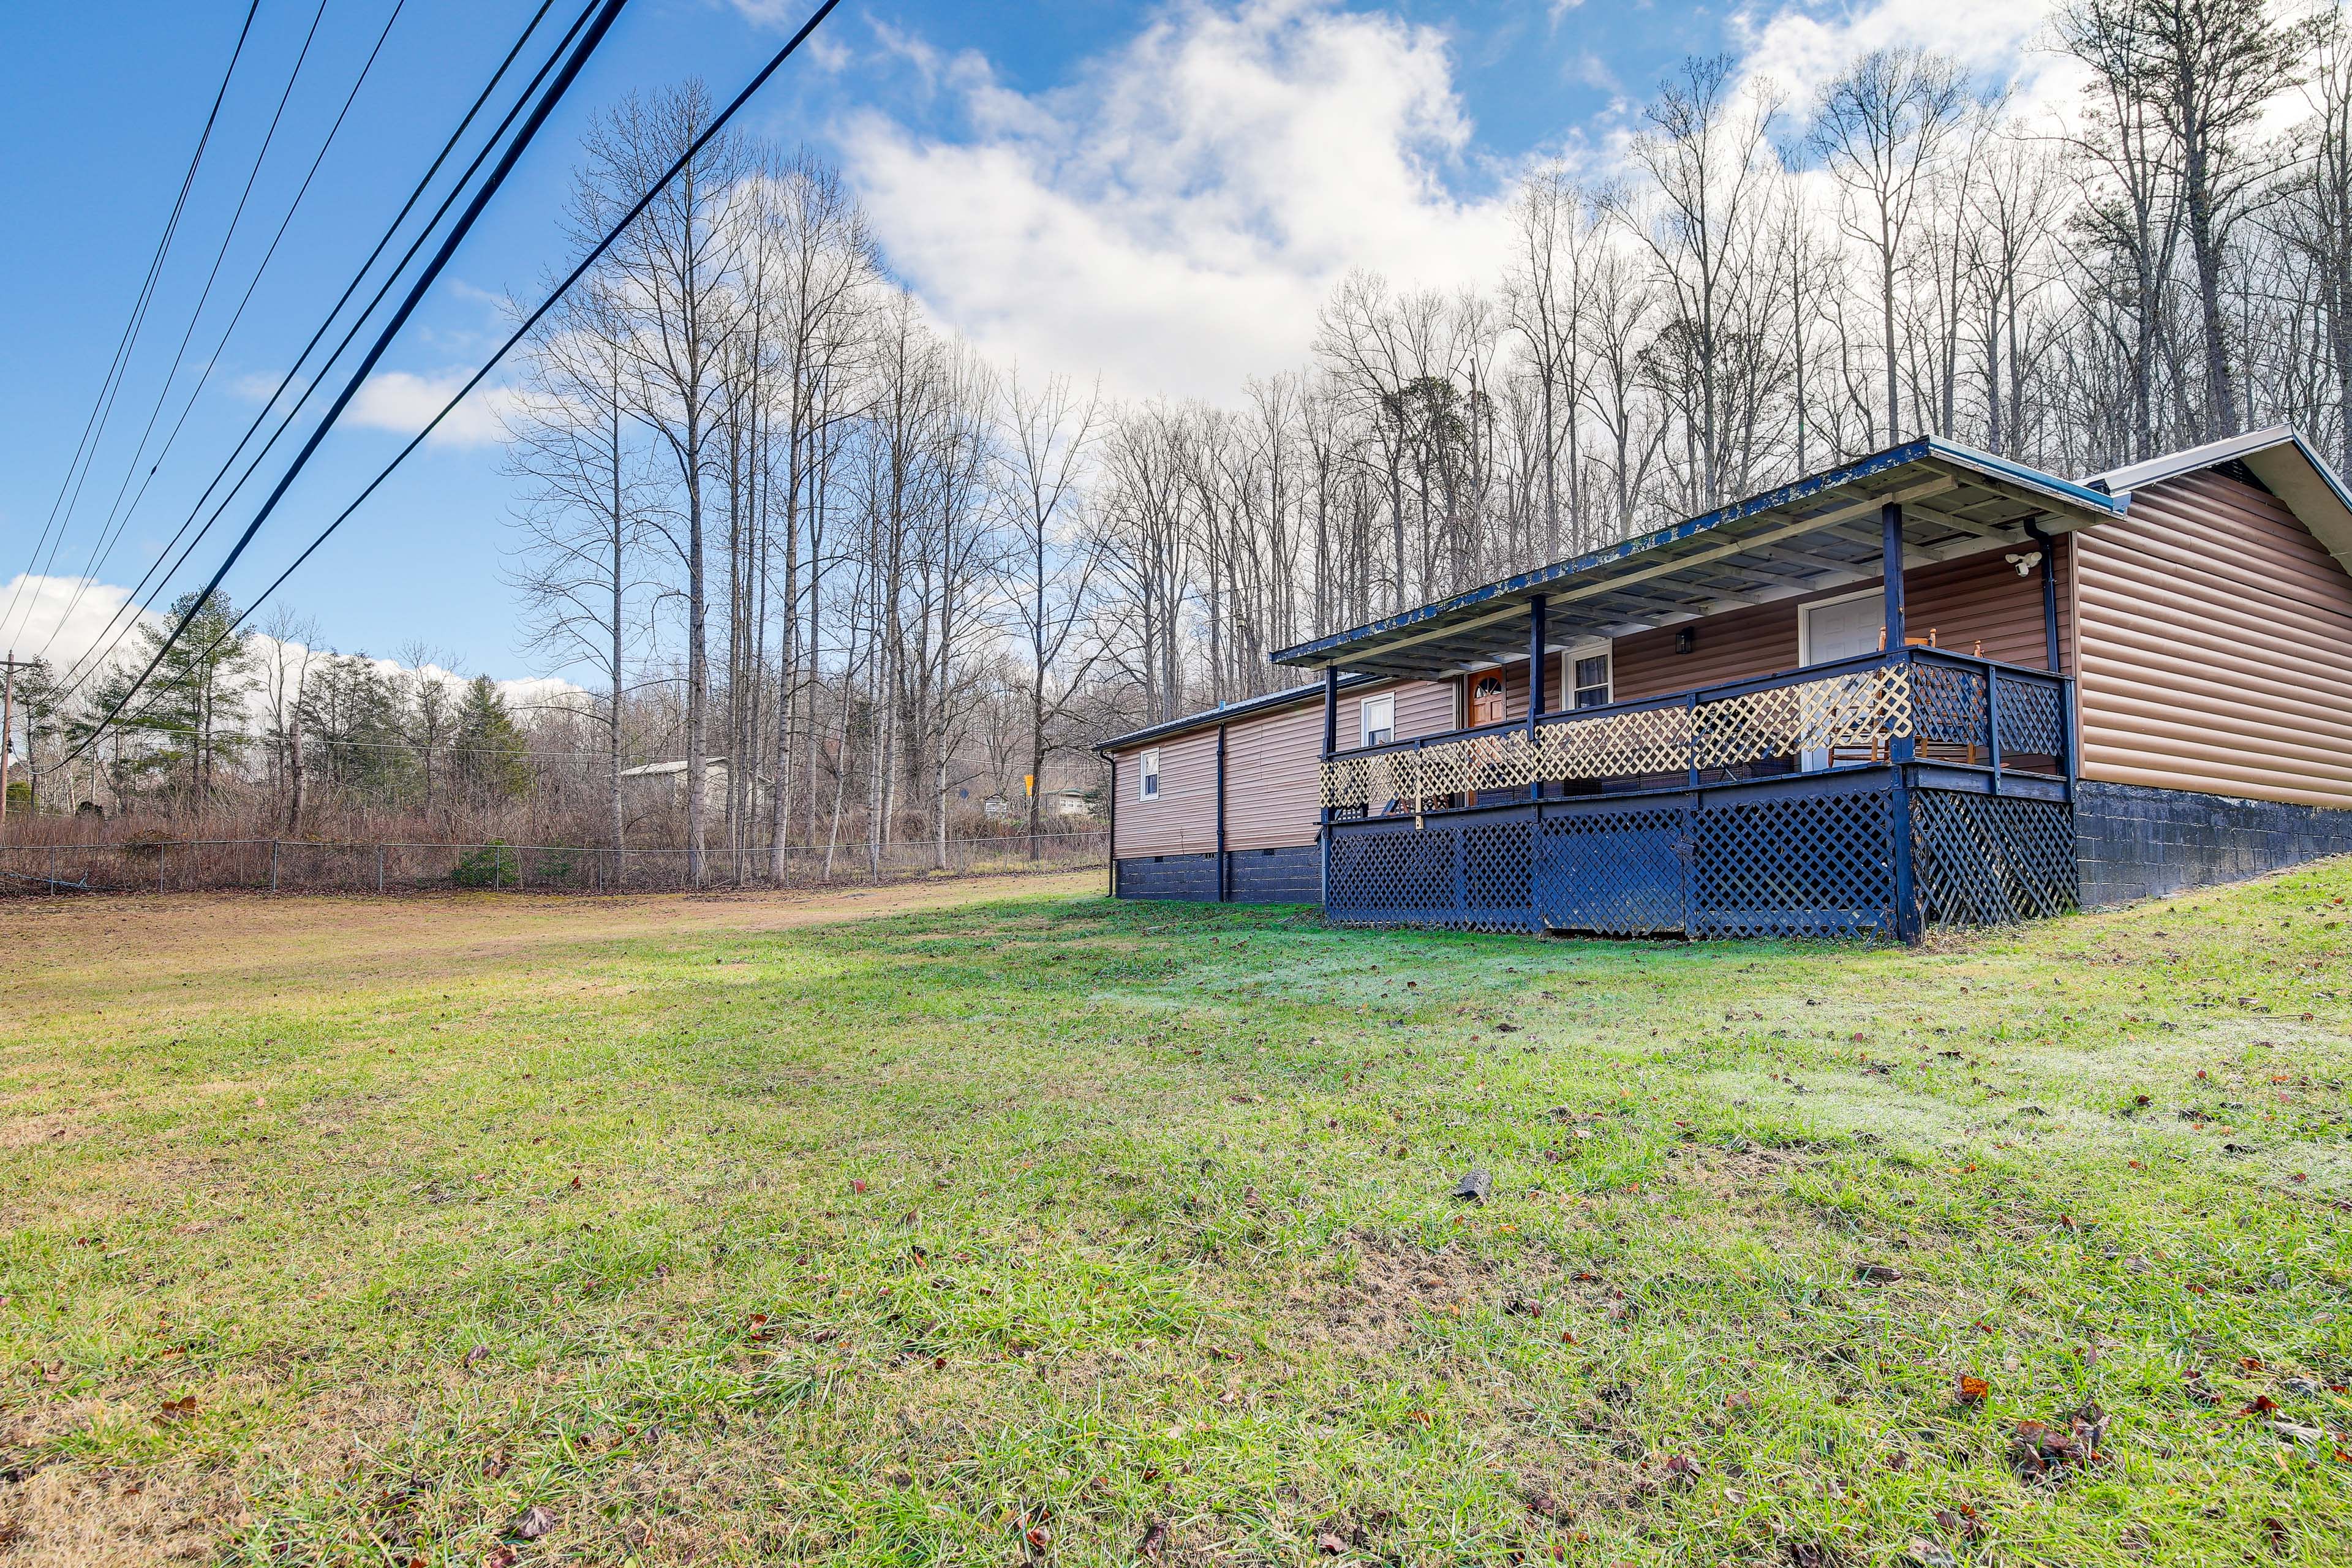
(1842, 628)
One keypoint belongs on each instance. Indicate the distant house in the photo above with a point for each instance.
(661, 787)
(1055, 802)
(2063, 694)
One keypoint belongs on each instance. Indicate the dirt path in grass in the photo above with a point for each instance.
(175, 942)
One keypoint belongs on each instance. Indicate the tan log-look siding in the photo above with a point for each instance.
(2217, 648)
(1975, 598)
(1183, 820)
(1422, 708)
(1273, 774)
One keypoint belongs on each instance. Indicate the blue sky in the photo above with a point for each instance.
(1159, 192)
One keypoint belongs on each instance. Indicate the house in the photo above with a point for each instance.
(1053, 803)
(659, 787)
(2070, 693)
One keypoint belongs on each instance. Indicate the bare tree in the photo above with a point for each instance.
(1882, 124)
(583, 518)
(670, 273)
(1048, 432)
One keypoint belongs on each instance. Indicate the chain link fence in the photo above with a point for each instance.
(302, 866)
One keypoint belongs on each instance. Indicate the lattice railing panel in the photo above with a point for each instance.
(1621, 873)
(1980, 860)
(1948, 712)
(2033, 717)
(1857, 712)
(1854, 715)
(1629, 744)
(1806, 865)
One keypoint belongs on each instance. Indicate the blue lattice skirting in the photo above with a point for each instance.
(1809, 855)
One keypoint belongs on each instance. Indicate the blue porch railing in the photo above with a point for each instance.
(1872, 795)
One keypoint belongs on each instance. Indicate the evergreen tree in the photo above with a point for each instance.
(491, 757)
(190, 721)
(353, 730)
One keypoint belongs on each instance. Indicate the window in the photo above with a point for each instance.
(1592, 681)
(1148, 777)
(1378, 720)
(1487, 701)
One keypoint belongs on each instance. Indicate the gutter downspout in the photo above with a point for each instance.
(1224, 891)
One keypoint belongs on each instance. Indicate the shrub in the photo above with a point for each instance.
(494, 865)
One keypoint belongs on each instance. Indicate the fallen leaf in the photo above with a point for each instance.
(474, 1357)
(1329, 1545)
(1155, 1536)
(531, 1523)
(1972, 1390)
(856, 1186)
(1875, 1274)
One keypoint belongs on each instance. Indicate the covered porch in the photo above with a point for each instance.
(1874, 792)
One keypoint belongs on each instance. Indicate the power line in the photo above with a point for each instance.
(94, 426)
(607, 13)
(119, 516)
(166, 563)
(546, 305)
(694, 149)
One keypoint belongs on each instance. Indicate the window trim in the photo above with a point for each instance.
(1608, 683)
(1365, 729)
(1147, 775)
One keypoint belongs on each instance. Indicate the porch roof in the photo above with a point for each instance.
(1816, 532)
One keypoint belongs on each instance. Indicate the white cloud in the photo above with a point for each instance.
(402, 403)
(66, 619)
(1800, 46)
(60, 619)
(1176, 216)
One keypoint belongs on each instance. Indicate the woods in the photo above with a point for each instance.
(769, 513)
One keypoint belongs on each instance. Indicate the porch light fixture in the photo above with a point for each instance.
(2026, 563)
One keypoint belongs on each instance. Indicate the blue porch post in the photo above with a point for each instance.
(1535, 607)
(1900, 749)
(1330, 744)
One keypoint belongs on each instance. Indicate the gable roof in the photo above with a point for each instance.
(2282, 459)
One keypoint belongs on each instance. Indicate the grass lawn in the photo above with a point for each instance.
(494, 1231)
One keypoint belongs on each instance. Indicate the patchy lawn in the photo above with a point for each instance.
(493, 1231)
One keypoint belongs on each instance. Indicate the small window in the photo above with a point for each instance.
(1378, 720)
(1148, 776)
(1592, 681)
(1486, 701)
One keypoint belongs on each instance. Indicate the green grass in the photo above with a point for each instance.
(1040, 1230)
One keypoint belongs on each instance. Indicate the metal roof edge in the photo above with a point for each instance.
(2084, 495)
(2189, 459)
(1895, 457)
(1248, 707)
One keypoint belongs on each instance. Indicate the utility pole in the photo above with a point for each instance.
(9, 722)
